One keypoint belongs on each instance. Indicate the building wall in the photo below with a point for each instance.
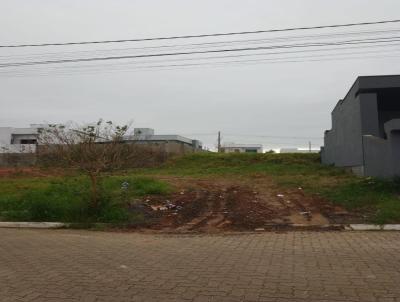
(382, 156)
(376, 148)
(296, 150)
(10, 139)
(5, 135)
(343, 144)
(169, 147)
(240, 150)
(17, 159)
(17, 148)
(365, 133)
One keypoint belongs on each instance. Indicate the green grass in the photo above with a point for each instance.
(66, 199)
(380, 197)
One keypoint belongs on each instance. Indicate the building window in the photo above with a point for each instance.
(251, 151)
(28, 141)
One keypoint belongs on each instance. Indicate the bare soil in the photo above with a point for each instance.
(235, 205)
(31, 172)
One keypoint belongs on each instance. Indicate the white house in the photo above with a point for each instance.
(298, 150)
(241, 148)
(19, 140)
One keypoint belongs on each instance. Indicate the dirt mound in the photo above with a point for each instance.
(212, 206)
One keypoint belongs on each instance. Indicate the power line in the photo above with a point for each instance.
(216, 64)
(62, 61)
(209, 44)
(140, 63)
(202, 35)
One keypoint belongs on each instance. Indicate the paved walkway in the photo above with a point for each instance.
(62, 265)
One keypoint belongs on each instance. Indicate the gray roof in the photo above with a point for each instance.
(370, 84)
(172, 137)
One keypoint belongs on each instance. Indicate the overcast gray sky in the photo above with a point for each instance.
(244, 101)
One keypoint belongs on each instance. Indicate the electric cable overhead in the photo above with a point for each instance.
(333, 45)
(202, 35)
(216, 64)
(317, 44)
(327, 51)
(211, 44)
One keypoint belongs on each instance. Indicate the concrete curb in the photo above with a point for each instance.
(350, 227)
(332, 227)
(33, 225)
(305, 227)
(372, 227)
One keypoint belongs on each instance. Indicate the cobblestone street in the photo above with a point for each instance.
(69, 265)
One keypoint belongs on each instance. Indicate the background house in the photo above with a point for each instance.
(365, 134)
(18, 145)
(298, 150)
(170, 144)
(18, 140)
(241, 148)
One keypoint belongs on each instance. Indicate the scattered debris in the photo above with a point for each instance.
(307, 214)
(158, 207)
(125, 186)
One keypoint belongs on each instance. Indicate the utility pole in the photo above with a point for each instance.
(309, 146)
(219, 141)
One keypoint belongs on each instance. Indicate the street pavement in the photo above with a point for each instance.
(74, 265)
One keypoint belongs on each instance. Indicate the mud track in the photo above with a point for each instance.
(205, 205)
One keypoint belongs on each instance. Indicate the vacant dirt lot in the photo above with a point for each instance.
(227, 204)
(216, 204)
(47, 266)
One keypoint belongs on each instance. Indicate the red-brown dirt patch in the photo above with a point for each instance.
(31, 172)
(222, 205)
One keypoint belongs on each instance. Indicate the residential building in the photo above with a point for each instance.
(18, 140)
(298, 150)
(241, 148)
(170, 143)
(365, 134)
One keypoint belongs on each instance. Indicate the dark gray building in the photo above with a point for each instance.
(170, 144)
(365, 134)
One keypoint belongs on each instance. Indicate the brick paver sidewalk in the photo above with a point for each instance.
(63, 265)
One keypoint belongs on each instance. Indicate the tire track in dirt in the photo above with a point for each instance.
(206, 205)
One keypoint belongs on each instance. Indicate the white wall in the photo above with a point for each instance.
(23, 133)
(17, 148)
(241, 149)
(5, 135)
